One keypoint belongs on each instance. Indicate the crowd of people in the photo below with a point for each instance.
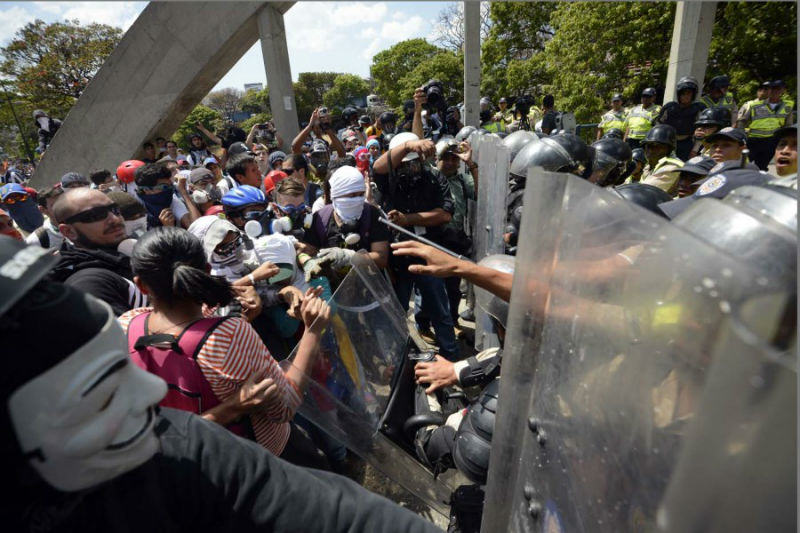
(213, 264)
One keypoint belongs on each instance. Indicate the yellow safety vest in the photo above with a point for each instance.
(726, 101)
(764, 121)
(613, 120)
(493, 127)
(640, 121)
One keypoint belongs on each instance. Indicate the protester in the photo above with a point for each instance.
(46, 128)
(47, 235)
(72, 180)
(103, 180)
(7, 226)
(19, 202)
(786, 156)
(297, 166)
(165, 207)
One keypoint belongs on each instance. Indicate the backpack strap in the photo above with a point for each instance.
(321, 221)
(136, 329)
(43, 236)
(192, 339)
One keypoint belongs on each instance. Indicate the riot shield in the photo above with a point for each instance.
(351, 383)
(647, 377)
(493, 162)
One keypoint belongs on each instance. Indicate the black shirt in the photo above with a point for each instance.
(207, 479)
(120, 293)
(425, 192)
(549, 122)
(680, 118)
(378, 232)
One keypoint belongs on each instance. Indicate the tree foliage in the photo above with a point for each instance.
(309, 90)
(753, 42)
(225, 101)
(211, 120)
(391, 65)
(446, 67)
(51, 64)
(255, 101)
(346, 88)
(448, 33)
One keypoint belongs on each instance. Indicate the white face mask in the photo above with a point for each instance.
(349, 209)
(43, 122)
(136, 228)
(90, 418)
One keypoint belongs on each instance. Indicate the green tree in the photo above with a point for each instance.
(391, 65)
(255, 101)
(51, 64)
(752, 42)
(518, 31)
(346, 88)
(590, 58)
(211, 120)
(309, 90)
(446, 67)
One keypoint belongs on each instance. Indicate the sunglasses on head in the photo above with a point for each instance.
(11, 200)
(95, 214)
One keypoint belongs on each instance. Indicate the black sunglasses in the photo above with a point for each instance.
(95, 214)
(288, 171)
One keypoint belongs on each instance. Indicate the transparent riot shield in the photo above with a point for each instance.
(493, 162)
(647, 377)
(351, 383)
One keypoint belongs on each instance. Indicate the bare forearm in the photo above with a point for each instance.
(494, 281)
(224, 413)
(428, 218)
(307, 352)
(337, 145)
(297, 143)
(416, 124)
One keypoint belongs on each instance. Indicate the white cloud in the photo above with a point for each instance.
(358, 13)
(400, 29)
(120, 14)
(13, 19)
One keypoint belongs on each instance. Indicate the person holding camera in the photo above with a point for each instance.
(319, 127)
(266, 134)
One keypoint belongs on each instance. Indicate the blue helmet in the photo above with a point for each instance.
(242, 196)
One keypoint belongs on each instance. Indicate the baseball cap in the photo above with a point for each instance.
(700, 165)
(272, 179)
(350, 135)
(617, 96)
(786, 130)
(729, 133)
(200, 173)
(279, 250)
(728, 177)
(650, 91)
(71, 178)
(238, 148)
(210, 160)
(11, 188)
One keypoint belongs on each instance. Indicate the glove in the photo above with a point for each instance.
(313, 268)
(338, 258)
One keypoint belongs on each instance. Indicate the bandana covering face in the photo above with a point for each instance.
(155, 203)
(89, 418)
(26, 214)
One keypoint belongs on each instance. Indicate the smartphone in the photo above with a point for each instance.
(323, 112)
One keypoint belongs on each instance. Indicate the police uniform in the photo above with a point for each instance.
(664, 175)
(682, 119)
(763, 121)
(613, 119)
(726, 101)
(638, 123)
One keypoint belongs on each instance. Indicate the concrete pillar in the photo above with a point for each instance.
(156, 75)
(691, 37)
(472, 63)
(279, 74)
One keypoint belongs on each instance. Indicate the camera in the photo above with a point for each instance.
(434, 92)
(323, 112)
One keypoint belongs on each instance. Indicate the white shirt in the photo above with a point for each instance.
(56, 239)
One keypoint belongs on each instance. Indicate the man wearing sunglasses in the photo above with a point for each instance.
(19, 202)
(91, 261)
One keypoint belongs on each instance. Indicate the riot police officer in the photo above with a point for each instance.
(764, 120)
(709, 122)
(641, 118)
(717, 96)
(611, 157)
(682, 114)
(613, 118)
(663, 168)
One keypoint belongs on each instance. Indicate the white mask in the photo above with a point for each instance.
(200, 196)
(349, 209)
(43, 122)
(232, 260)
(89, 418)
(136, 228)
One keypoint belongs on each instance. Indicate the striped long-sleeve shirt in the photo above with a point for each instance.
(232, 353)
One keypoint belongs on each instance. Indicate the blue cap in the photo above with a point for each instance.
(208, 160)
(11, 188)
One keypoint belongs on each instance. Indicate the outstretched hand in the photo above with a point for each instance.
(439, 264)
(315, 311)
(437, 374)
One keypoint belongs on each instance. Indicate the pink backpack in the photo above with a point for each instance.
(175, 361)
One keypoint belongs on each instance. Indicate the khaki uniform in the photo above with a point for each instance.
(664, 175)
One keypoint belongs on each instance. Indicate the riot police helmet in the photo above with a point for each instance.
(349, 113)
(714, 116)
(662, 134)
(637, 154)
(611, 158)
(613, 133)
(517, 141)
(560, 153)
(719, 82)
(649, 91)
(464, 133)
(687, 82)
(644, 195)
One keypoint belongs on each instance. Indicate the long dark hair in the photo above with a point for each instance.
(171, 262)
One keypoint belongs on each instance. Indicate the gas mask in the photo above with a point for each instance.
(209, 193)
(89, 418)
(349, 209)
(136, 228)
(389, 127)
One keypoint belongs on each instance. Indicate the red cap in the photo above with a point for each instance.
(126, 170)
(272, 179)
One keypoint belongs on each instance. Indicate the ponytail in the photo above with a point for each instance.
(172, 263)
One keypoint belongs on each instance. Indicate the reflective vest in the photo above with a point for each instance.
(726, 101)
(613, 119)
(493, 127)
(640, 120)
(764, 121)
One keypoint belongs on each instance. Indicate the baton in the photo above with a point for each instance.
(423, 240)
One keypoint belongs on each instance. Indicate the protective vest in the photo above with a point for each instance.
(640, 120)
(613, 119)
(726, 101)
(666, 180)
(764, 121)
(493, 127)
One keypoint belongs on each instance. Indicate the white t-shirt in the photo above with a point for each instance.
(55, 237)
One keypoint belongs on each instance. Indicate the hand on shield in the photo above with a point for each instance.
(338, 257)
(313, 268)
(315, 311)
(294, 297)
(439, 264)
(437, 374)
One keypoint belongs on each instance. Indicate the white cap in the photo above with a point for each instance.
(401, 138)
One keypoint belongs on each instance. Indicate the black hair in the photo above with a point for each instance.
(129, 207)
(148, 144)
(99, 177)
(346, 161)
(548, 101)
(160, 139)
(172, 263)
(298, 161)
(237, 165)
(149, 174)
(42, 195)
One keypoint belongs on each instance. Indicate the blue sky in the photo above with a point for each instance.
(322, 36)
